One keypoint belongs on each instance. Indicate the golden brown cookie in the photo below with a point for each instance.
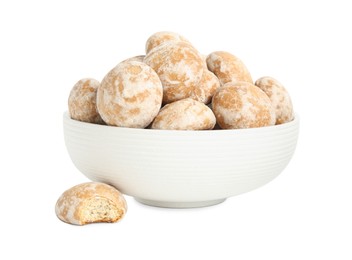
(204, 58)
(82, 101)
(139, 58)
(242, 105)
(206, 88)
(91, 202)
(279, 97)
(162, 37)
(130, 95)
(227, 67)
(179, 67)
(185, 114)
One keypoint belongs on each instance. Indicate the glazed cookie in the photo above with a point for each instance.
(206, 87)
(227, 67)
(204, 58)
(82, 101)
(185, 114)
(130, 95)
(179, 67)
(279, 97)
(139, 58)
(162, 37)
(242, 105)
(91, 202)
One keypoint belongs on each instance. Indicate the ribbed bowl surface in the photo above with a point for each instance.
(162, 166)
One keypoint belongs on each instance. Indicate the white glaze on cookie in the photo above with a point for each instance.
(82, 101)
(130, 95)
(242, 105)
(185, 114)
(227, 67)
(162, 37)
(206, 88)
(71, 206)
(139, 58)
(179, 67)
(279, 97)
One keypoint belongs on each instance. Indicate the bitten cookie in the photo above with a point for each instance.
(179, 67)
(130, 95)
(227, 67)
(91, 202)
(162, 37)
(279, 97)
(82, 101)
(242, 105)
(185, 114)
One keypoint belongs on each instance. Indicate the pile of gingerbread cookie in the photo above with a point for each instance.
(174, 87)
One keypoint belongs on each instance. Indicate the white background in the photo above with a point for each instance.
(47, 46)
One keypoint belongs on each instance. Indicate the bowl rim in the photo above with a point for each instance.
(295, 121)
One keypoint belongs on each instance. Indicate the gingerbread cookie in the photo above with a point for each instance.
(185, 114)
(139, 58)
(130, 95)
(242, 105)
(206, 88)
(162, 37)
(279, 97)
(179, 67)
(227, 67)
(82, 101)
(91, 202)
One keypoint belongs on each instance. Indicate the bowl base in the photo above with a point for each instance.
(179, 205)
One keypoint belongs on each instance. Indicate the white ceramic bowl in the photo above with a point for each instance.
(180, 169)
